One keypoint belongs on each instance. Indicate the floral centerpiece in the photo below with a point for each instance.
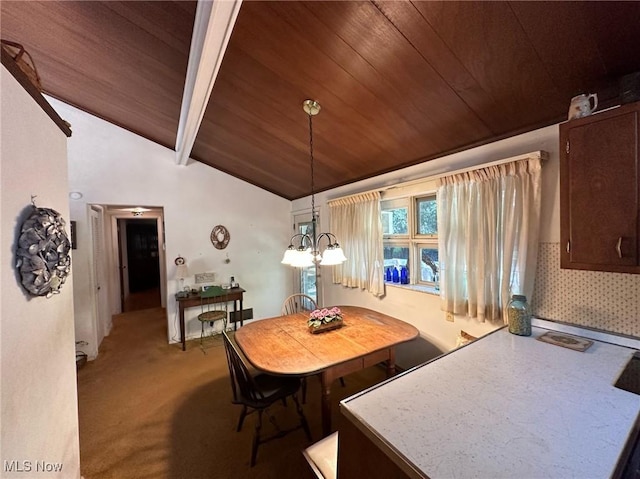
(324, 319)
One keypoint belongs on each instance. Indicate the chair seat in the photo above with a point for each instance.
(209, 316)
(276, 387)
(323, 457)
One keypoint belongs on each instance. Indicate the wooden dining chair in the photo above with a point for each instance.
(298, 302)
(255, 393)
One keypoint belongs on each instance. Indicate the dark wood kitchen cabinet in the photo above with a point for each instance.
(600, 191)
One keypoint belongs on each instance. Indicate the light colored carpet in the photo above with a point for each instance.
(149, 410)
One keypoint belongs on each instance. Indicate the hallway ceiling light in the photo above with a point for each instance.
(138, 211)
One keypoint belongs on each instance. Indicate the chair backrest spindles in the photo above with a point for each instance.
(298, 302)
(241, 380)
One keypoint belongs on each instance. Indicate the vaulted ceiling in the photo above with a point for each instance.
(399, 82)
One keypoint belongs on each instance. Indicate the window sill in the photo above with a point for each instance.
(421, 288)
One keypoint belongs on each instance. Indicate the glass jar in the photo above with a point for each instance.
(519, 315)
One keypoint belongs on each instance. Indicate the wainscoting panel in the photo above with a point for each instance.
(606, 301)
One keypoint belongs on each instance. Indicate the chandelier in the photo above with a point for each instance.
(304, 248)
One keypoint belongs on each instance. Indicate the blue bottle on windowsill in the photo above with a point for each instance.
(404, 275)
(387, 274)
(396, 275)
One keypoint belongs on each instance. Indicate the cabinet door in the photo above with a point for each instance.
(599, 191)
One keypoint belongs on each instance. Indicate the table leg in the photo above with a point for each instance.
(391, 363)
(326, 379)
(235, 314)
(183, 336)
(241, 313)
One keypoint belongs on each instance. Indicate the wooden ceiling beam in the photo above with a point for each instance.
(211, 32)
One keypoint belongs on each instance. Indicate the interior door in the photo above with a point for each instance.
(101, 305)
(123, 261)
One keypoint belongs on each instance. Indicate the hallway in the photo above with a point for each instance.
(140, 300)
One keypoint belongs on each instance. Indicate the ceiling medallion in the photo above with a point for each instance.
(220, 237)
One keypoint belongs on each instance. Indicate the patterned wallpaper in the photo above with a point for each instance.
(605, 301)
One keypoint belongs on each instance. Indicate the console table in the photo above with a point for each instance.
(193, 300)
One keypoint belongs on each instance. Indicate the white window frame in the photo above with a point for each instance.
(412, 239)
(414, 202)
(397, 203)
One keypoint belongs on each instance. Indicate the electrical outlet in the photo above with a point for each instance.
(449, 317)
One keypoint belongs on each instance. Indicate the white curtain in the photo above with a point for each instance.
(356, 222)
(488, 227)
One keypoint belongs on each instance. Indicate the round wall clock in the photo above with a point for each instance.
(220, 237)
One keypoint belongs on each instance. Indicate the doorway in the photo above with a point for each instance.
(139, 264)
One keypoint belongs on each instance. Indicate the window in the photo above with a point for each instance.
(396, 255)
(427, 215)
(410, 227)
(395, 217)
(428, 257)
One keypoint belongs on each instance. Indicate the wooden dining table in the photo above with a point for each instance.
(284, 346)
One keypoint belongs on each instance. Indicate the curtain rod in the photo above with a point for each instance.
(543, 155)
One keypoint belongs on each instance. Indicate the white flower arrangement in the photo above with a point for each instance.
(319, 317)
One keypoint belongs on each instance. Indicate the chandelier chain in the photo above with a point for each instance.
(313, 200)
(307, 252)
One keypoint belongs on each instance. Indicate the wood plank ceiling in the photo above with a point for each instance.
(399, 82)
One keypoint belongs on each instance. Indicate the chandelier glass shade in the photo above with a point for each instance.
(307, 253)
(304, 249)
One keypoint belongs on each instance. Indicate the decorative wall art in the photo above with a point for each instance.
(220, 237)
(43, 252)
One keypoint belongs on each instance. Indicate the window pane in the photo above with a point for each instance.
(308, 281)
(395, 221)
(397, 256)
(427, 215)
(429, 264)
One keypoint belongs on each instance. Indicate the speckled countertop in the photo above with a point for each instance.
(505, 406)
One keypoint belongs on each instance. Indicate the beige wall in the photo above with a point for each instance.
(38, 418)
